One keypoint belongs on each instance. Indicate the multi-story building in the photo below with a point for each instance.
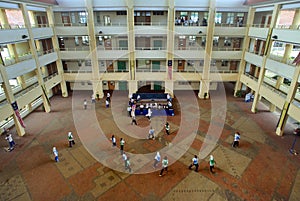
(53, 48)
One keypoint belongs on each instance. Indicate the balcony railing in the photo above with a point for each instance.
(112, 48)
(226, 49)
(273, 89)
(285, 26)
(150, 48)
(70, 24)
(12, 26)
(39, 25)
(144, 70)
(115, 24)
(190, 48)
(83, 48)
(151, 23)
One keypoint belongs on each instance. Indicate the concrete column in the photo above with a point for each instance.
(170, 43)
(22, 81)
(10, 99)
(97, 88)
(169, 87)
(296, 20)
(204, 83)
(250, 19)
(33, 50)
(131, 38)
(265, 56)
(132, 86)
(289, 98)
(3, 18)
(97, 82)
(60, 70)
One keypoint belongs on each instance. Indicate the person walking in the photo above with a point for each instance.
(127, 165)
(212, 163)
(151, 133)
(71, 139)
(10, 141)
(148, 115)
(122, 142)
(124, 157)
(167, 127)
(85, 104)
(129, 110)
(236, 140)
(93, 98)
(107, 103)
(108, 96)
(55, 152)
(195, 162)
(165, 163)
(114, 141)
(133, 119)
(156, 160)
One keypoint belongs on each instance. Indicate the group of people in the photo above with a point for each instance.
(71, 143)
(195, 162)
(107, 100)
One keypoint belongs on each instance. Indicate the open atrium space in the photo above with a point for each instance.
(135, 100)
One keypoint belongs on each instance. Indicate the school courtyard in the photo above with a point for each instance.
(262, 168)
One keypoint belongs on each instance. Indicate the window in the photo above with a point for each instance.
(216, 41)
(73, 18)
(183, 14)
(190, 63)
(122, 12)
(194, 17)
(192, 40)
(88, 63)
(158, 12)
(76, 41)
(82, 17)
(230, 18)
(218, 18)
(85, 40)
(227, 42)
(224, 63)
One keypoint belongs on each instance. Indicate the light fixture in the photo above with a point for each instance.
(100, 32)
(200, 32)
(275, 37)
(24, 36)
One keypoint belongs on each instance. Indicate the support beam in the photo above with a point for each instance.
(268, 46)
(33, 50)
(205, 81)
(60, 70)
(10, 99)
(246, 44)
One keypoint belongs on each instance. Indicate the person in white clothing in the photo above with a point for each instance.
(156, 159)
(10, 141)
(55, 152)
(148, 115)
(71, 139)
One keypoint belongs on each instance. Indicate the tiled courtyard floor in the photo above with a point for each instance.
(260, 169)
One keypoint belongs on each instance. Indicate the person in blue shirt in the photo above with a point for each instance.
(195, 162)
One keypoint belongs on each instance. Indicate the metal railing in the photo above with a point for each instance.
(226, 49)
(115, 24)
(151, 23)
(150, 48)
(70, 24)
(285, 26)
(83, 48)
(273, 89)
(12, 26)
(112, 48)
